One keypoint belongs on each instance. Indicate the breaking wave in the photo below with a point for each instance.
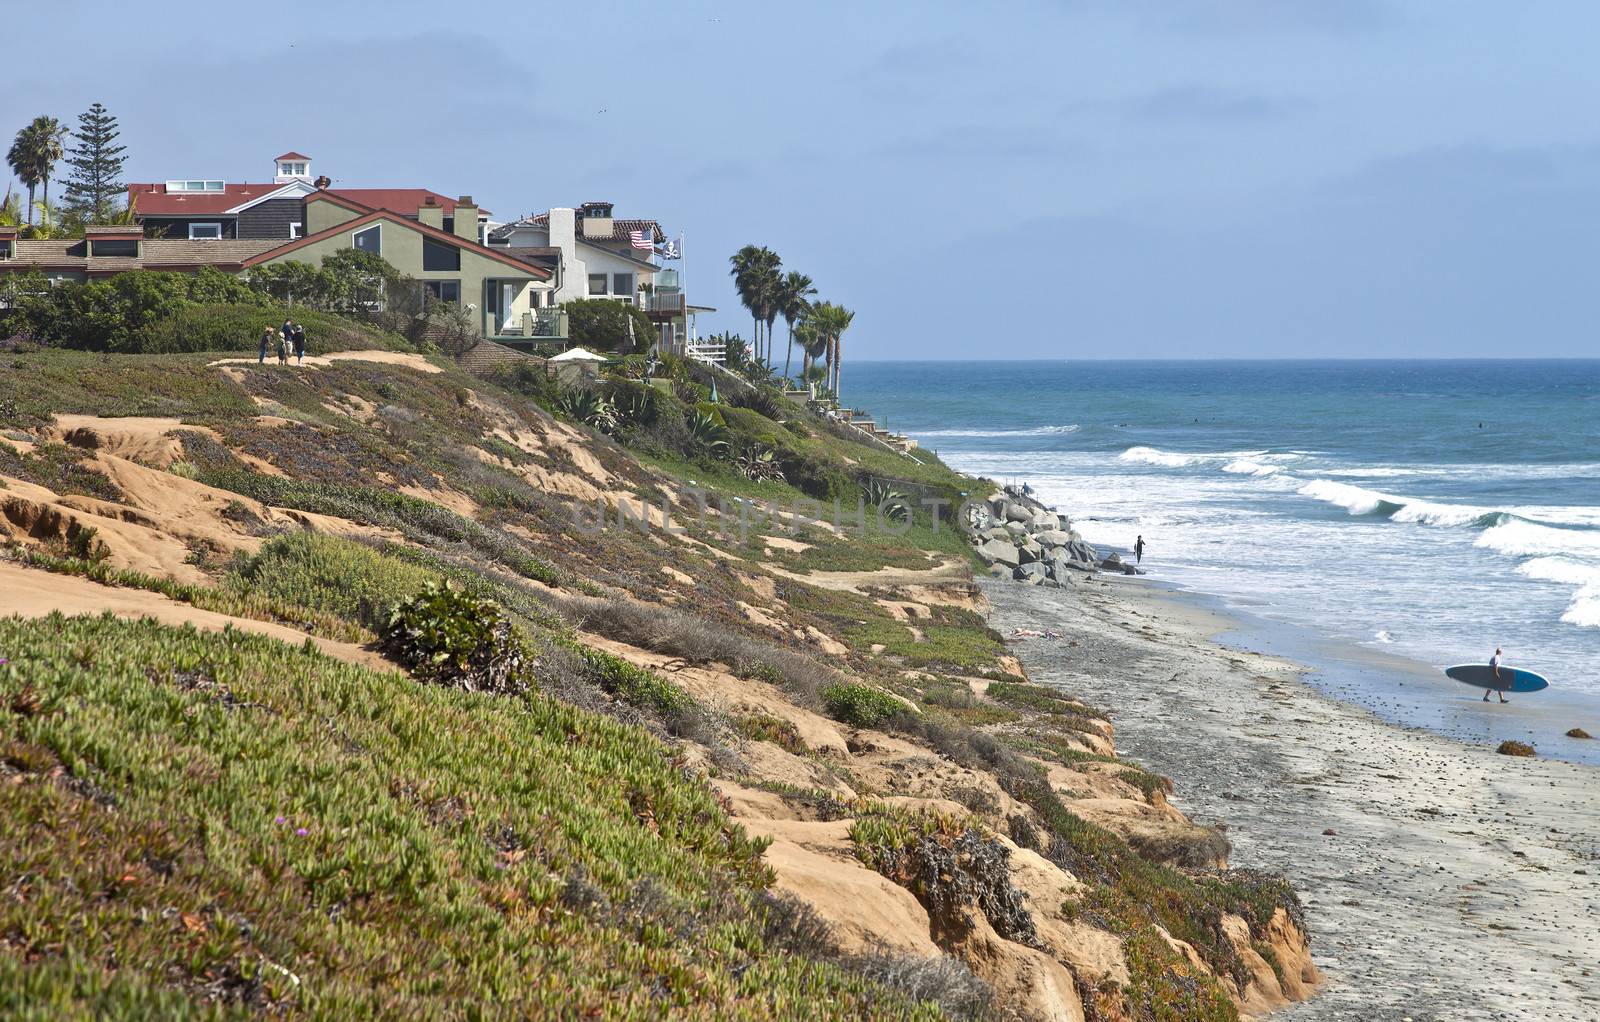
(1584, 610)
(1246, 467)
(1358, 500)
(1172, 459)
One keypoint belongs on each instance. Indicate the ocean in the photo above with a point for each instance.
(1427, 510)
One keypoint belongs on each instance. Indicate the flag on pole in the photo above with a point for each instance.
(673, 249)
(645, 239)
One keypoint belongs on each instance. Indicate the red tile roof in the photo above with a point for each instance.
(292, 155)
(155, 200)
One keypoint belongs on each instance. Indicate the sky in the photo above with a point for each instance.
(1052, 179)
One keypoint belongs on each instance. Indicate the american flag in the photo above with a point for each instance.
(643, 239)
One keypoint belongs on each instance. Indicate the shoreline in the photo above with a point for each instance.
(1440, 880)
(1397, 689)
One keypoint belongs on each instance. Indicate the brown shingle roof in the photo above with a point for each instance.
(154, 254)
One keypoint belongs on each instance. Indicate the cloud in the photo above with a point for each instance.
(1208, 103)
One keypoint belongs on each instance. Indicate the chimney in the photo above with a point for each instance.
(431, 214)
(467, 218)
(572, 277)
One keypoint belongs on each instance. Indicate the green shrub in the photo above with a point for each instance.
(633, 683)
(860, 705)
(237, 327)
(342, 577)
(602, 324)
(452, 637)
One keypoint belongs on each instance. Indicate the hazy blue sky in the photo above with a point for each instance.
(1073, 178)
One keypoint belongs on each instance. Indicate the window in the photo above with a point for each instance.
(622, 285)
(297, 230)
(444, 290)
(436, 255)
(211, 231)
(113, 247)
(597, 283)
(449, 224)
(369, 240)
(5, 249)
(196, 186)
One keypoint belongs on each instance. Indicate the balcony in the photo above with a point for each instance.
(671, 303)
(537, 327)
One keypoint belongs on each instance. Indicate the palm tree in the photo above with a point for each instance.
(23, 164)
(50, 134)
(794, 299)
(755, 273)
(831, 321)
(33, 155)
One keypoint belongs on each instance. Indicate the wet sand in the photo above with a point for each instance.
(1441, 881)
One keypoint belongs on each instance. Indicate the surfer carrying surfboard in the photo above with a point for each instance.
(1494, 665)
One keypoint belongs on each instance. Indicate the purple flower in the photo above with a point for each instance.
(280, 820)
(301, 832)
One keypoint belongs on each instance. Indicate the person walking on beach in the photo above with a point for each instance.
(1138, 550)
(266, 339)
(300, 344)
(1494, 665)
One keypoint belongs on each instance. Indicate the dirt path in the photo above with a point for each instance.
(31, 593)
(1441, 881)
(399, 358)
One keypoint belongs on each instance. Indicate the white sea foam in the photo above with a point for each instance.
(1584, 610)
(1517, 538)
(1359, 500)
(1354, 499)
(1384, 637)
(1171, 459)
(1246, 467)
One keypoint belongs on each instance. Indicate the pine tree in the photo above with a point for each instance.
(96, 162)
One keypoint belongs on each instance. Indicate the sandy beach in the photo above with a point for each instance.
(1441, 881)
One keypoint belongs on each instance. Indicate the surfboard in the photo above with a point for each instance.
(1511, 679)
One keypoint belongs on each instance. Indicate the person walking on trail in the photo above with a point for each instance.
(300, 344)
(1494, 665)
(1138, 550)
(266, 341)
(283, 347)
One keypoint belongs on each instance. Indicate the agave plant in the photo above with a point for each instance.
(707, 435)
(589, 408)
(635, 407)
(891, 503)
(759, 465)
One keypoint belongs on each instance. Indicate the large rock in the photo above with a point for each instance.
(1081, 551)
(1016, 530)
(999, 552)
(1043, 520)
(997, 532)
(1029, 552)
(1053, 537)
(1032, 574)
(1015, 512)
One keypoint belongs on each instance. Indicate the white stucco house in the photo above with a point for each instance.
(594, 254)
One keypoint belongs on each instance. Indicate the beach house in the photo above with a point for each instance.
(505, 295)
(210, 209)
(594, 254)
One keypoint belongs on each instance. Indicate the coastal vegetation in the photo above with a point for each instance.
(93, 185)
(767, 293)
(480, 752)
